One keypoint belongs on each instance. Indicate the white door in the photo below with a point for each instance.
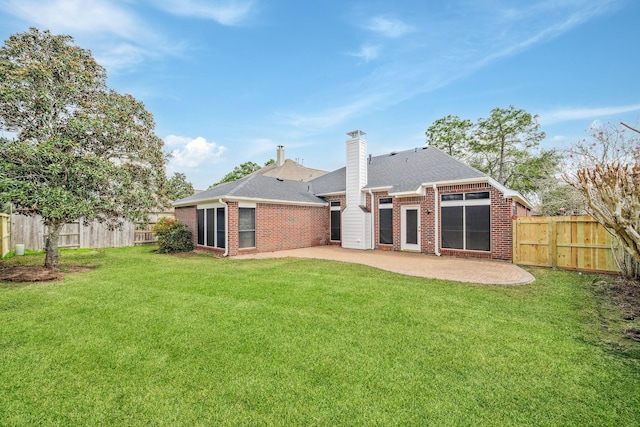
(410, 228)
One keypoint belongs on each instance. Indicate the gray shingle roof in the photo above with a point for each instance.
(402, 171)
(256, 186)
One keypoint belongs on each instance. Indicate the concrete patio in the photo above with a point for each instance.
(415, 264)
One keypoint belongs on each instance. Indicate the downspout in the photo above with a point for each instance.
(226, 228)
(436, 219)
(373, 218)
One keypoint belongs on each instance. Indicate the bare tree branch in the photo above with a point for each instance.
(629, 127)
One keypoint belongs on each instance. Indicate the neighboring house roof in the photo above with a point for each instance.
(256, 187)
(291, 170)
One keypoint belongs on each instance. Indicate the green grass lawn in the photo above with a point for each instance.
(148, 339)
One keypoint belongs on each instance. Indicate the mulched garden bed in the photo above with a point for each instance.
(24, 273)
(623, 296)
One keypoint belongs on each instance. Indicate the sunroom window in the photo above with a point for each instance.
(211, 226)
(466, 221)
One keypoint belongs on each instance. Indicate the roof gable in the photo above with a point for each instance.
(291, 170)
(403, 171)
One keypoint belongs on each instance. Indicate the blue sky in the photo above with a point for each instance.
(229, 80)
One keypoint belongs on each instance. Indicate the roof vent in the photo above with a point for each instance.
(280, 179)
(393, 153)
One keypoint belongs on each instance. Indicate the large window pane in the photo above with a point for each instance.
(247, 228)
(335, 225)
(452, 231)
(220, 228)
(200, 219)
(386, 226)
(412, 227)
(210, 230)
(478, 228)
(247, 239)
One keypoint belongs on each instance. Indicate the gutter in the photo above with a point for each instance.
(436, 212)
(373, 217)
(226, 228)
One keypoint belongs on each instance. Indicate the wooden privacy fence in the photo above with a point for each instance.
(32, 233)
(5, 234)
(566, 242)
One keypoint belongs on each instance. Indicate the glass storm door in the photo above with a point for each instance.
(410, 228)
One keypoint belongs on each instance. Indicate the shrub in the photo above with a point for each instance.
(173, 236)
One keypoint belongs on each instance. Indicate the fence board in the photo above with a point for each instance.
(32, 233)
(573, 243)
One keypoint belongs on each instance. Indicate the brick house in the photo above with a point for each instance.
(419, 200)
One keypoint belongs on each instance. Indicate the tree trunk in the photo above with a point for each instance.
(51, 247)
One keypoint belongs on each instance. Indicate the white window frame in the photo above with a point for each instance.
(255, 224)
(206, 225)
(386, 205)
(333, 208)
(464, 203)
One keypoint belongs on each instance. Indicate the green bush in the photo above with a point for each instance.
(173, 236)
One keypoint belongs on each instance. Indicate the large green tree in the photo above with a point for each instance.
(241, 171)
(452, 135)
(178, 187)
(504, 145)
(81, 150)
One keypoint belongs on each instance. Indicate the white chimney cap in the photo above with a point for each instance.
(356, 133)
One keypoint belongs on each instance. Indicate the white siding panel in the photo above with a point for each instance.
(356, 226)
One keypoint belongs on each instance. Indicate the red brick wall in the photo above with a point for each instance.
(188, 215)
(501, 226)
(280, 227)
(522, 210)
(501, 213)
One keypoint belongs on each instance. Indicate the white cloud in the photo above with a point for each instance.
(118, 38)
(571, 114)
(188, 153)
(229, 12)
(388, 27)
(367, 53)
(77, 16)
(121, 56)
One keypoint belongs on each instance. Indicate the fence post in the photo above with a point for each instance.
(553, 242)
(5, 234)
(514, 240)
